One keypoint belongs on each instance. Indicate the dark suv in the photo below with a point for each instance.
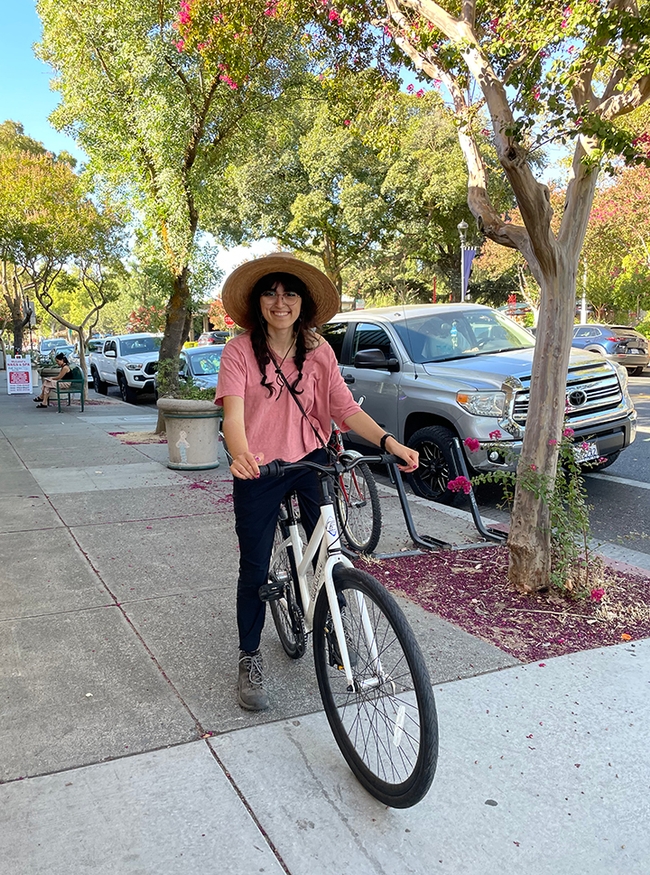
(432, 372)
(616, 342)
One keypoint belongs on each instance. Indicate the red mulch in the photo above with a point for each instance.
(470, 589)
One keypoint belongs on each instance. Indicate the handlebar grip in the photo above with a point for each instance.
(273, 469)
(390, 459)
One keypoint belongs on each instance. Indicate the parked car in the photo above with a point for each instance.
(616, 342)
(212, 337)
(430, 373)
(128, 361)
(52, 345)
(201, 365)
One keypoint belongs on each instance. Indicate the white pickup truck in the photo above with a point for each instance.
(128, 361)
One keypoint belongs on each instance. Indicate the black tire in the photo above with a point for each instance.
(358, 509)
(599, 466)
(436, 467)
(99, 385)
(637, 372)
(387, 732)
(285, 611)
(128, 394)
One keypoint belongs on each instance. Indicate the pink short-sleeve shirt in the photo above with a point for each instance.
(274, 424)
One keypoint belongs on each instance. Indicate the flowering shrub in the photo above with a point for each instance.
(460, 484)
(574, 568)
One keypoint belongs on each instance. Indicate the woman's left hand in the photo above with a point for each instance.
(411, 458)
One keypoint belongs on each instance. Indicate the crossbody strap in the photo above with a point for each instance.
(292, 392)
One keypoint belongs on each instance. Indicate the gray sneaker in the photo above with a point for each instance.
(250, 685)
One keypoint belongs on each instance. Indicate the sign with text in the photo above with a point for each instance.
(19, 376)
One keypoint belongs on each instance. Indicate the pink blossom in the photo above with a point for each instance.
(420, 93)
(347, 122)
(533, 467)
(410, 89)
(568, 432)
(596, 595)
(460, 484)
(184, 14)
(229, 82)
(472, 444)
(585, 445)
(495, 435)
(552, 442)
(536, 93)
(335, 17)
(180, 45)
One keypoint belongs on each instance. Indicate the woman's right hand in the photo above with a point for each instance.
(245, 465)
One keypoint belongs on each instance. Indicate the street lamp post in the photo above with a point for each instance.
(462, 231)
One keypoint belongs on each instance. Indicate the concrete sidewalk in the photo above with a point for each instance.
(122, 749)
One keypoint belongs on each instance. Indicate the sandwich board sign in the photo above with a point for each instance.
(19, 375)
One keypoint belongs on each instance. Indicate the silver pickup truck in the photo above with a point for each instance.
(431, 372)
(128, 361)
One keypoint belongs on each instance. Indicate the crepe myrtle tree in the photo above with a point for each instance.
(533, 72)
(530, 73)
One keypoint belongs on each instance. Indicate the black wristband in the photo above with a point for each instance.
(382, 442)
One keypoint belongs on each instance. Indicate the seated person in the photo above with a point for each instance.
(64, 377)
(439, 342)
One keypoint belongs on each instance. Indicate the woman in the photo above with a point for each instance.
(66, 374)
(279, 359)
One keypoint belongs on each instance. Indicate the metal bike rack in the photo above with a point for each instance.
(428, 542)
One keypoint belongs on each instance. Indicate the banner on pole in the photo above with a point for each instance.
(19, 375)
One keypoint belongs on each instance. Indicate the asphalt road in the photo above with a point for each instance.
(619, 495)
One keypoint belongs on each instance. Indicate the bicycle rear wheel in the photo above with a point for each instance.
(387, 727)
(286, 612)
(358, 509)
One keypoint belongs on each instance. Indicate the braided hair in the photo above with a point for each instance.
(304, 337)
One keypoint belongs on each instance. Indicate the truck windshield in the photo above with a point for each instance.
(140, 344)
(461, 334)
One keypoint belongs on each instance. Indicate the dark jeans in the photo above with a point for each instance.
(257, 505)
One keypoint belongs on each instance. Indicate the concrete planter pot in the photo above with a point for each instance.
(192, 433)
(48, 372)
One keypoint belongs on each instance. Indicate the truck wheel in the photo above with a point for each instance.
(99, 385)
(436, 464)
(636, 372)
(128, 394)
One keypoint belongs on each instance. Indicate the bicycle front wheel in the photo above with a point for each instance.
(286, 612)
(387, 726)
(358, 509)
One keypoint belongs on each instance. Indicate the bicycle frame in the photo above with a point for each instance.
(326, 542)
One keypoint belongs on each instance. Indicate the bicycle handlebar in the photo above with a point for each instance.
(278, 467)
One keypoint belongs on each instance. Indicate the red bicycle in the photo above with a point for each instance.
(356, 501)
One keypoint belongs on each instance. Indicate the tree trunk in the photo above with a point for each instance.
(18, 322)
(177, 320)
(529, 541)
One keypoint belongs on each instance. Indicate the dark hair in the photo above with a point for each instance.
(60, 356)
(302, 327)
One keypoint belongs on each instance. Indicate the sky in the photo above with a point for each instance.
(25, 94)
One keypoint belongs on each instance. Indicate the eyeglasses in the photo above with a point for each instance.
(272, 295)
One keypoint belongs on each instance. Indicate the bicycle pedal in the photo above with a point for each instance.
(271, 591)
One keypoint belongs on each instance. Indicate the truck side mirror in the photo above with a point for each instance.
(374, 359)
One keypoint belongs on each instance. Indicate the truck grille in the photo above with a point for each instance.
(151, 368)
(591, 390)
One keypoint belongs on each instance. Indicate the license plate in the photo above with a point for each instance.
(587, 452)
(634, 351)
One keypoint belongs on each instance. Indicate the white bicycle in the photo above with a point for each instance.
(372, 677)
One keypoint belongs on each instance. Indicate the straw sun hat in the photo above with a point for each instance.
(239, 285)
